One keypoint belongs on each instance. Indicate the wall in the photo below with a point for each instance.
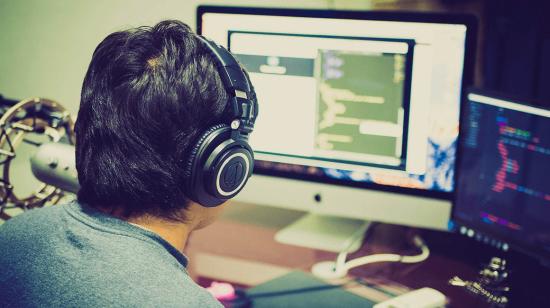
(46, 46)
(517, 53)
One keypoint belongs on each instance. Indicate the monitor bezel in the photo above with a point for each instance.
(485, 230)
(469, 21)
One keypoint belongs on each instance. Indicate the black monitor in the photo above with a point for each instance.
(503, 191)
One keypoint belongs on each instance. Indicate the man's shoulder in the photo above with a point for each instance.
(35, 213)
(144, 289)
(46, 250)
(135, 291)
(31, 221)
(179, 291)
(30, 236)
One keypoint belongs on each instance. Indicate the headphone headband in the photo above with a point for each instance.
(221, 161)
(242, 98)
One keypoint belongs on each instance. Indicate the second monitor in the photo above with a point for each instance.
(504, 198)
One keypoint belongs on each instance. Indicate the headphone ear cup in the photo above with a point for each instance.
(193, 157)
(218, 166)
(230, 171)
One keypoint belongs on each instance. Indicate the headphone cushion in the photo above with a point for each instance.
(188, 171)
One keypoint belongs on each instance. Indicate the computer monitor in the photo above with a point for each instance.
(503, 191)
(359, 111)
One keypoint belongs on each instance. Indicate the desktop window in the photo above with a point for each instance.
(359, 101)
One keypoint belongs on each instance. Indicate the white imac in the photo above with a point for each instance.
(359, 111)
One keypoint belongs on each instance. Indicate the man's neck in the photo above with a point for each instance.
(175, 233)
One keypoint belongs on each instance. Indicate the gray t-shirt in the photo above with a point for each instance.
(76, 256)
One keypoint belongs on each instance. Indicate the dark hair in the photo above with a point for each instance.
(148, 94)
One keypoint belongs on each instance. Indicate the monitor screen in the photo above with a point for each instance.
(504, 172)
(358, 99)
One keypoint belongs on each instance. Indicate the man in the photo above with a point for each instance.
(149, 93)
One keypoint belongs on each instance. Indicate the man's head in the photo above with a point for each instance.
(147, 95)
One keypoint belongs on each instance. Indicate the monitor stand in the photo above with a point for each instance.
(323, 232)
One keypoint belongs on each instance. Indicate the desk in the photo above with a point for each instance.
(240, 248)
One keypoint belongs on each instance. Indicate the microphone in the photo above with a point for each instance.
(54, 164)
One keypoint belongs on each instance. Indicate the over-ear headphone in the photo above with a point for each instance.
(221, 161)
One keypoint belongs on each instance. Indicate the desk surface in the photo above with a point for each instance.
(240, 248)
